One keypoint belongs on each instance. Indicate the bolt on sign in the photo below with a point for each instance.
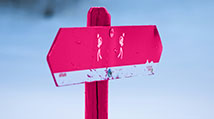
(103, 53)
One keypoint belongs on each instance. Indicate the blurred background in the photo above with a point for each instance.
(182, 89)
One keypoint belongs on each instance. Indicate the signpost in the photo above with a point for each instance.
(100, 52)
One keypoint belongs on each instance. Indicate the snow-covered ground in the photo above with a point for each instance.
(183, 88)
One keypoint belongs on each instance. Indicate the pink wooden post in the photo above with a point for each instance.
(96, 93)
(72, 54)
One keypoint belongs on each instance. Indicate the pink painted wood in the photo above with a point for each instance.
(96, 93)
(75, 49)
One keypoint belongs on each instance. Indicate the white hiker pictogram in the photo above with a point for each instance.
(121, 39)
(99, 43)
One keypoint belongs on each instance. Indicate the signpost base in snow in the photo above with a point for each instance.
(96, 93)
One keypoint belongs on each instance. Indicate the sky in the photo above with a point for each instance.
(183, 87)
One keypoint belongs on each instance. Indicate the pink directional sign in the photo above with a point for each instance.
(98, 53)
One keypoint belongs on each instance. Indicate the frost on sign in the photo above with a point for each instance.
(104, 53)
(110, 73)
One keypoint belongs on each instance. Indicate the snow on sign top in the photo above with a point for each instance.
(98, 53)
